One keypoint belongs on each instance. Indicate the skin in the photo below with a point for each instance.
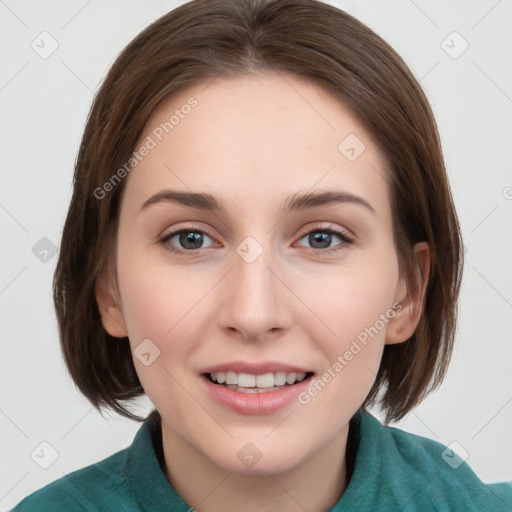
(251, 142)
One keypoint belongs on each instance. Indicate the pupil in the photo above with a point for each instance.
(187, 238)
(320, 237)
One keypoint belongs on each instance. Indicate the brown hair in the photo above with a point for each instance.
(207, 38)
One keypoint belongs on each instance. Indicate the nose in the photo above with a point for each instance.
(255, 300)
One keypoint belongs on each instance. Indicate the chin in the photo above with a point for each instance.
(255, 455)
(274, 464)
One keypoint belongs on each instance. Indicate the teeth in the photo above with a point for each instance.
(263, 381)
(231, 378)
(280, 378)
(246, 380)
(250, 383)
(290, 378)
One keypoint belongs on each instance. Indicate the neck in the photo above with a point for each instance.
(316, 484)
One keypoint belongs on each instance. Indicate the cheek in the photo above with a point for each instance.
(155, 311)
(349, 299)
(355, 306)
(154, 295)
(168, 305)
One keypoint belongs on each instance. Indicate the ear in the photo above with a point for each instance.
(411, 299)
(111, 313)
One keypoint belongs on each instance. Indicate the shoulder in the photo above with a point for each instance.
(430, 470)
(100, 486)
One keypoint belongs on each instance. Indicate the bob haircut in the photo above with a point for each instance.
(204, 39)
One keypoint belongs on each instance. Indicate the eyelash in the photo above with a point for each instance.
(345, 239)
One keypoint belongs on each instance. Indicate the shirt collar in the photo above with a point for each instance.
(144, 473)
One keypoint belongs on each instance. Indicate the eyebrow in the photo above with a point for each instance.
(298, 201)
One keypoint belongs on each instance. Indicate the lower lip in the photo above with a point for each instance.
(255, 403)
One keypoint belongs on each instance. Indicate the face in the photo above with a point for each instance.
(266, 287)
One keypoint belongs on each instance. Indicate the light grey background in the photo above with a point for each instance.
(44, 103)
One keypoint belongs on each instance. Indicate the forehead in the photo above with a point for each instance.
(256, 138)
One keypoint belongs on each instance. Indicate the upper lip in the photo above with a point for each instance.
(255, 368)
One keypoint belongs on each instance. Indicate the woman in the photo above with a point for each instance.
(262, 239)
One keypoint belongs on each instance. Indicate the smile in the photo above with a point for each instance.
(251, 383)
(255, 387)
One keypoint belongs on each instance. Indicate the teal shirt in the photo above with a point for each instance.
(391, 470)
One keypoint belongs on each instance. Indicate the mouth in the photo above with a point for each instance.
(255, 387)
(257, 383)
